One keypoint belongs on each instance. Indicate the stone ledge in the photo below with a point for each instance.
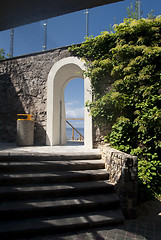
(123, 172)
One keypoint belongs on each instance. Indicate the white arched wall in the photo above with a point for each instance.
(60, 74)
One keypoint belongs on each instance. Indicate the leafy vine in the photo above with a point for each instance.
(125, 72)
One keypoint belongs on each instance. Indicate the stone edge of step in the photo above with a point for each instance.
(65, 155)
(58, 202)
(63, 222)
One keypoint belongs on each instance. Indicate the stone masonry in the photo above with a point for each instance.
(23, 89)
(123, 173)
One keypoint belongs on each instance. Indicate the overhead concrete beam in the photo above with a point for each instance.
(14, 13)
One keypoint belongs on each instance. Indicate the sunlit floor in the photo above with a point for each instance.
(70, 147)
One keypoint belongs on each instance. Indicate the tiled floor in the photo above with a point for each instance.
(146, 227)
(124, 232)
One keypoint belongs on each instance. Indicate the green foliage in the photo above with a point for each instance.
(151, 15)
(2, 54)
(133, 10)
(129, 61)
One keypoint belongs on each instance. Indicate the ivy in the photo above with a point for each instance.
(125, 72)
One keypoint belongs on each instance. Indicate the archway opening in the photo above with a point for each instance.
(59, 76)
(74, 109)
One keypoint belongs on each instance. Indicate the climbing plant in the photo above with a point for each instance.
(2, 54)
(125, 72)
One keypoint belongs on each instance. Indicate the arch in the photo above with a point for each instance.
(60, 74)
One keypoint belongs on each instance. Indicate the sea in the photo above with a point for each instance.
(76, 135)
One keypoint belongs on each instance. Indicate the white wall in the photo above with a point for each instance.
(60, 74)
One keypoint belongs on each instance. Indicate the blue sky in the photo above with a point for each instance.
(74, 101)
(68, 29)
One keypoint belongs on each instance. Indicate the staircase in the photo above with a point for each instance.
(41, 195)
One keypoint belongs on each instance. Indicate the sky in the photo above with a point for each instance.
(71, 29)
(74, 101)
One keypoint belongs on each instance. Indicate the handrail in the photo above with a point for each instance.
(74, 129)
(74, 118)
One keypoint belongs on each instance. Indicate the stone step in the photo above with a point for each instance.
(54, 177)
(34, 156)
(42, 194)
(42, 226)
(54, 190)
(41, 166)
(57, 206)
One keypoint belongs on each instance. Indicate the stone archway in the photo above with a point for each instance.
(60, 74)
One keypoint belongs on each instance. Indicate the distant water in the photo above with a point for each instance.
(76, 135)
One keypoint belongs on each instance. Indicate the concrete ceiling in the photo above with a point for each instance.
(14, 13)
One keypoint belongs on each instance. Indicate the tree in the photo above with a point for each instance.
(151, 15)
(135, 11)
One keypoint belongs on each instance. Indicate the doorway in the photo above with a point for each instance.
(59, 76)
(74, 109)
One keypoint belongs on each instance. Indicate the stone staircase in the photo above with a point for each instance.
(41, 195)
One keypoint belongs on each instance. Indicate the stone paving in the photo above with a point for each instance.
(146, 227)
(71, 147)
(130, 230)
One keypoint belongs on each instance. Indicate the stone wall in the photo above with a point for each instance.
(99, 134)
(122, 168)
(23, 89)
